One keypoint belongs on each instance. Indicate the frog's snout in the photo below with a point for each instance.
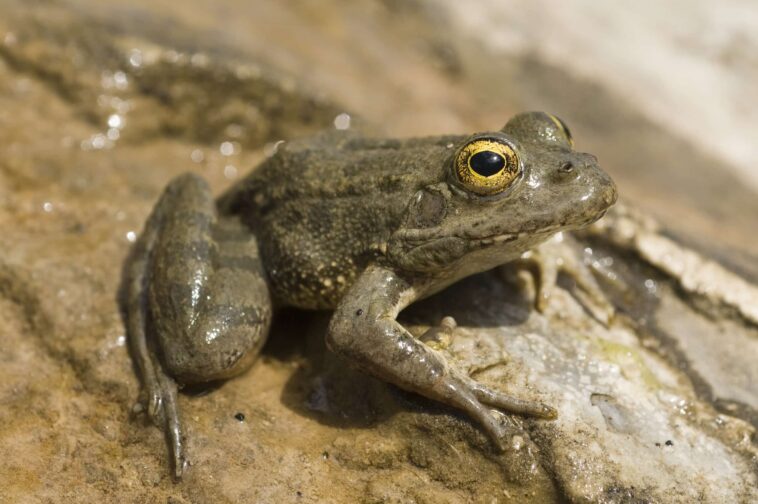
(611, 193)
(598, 178)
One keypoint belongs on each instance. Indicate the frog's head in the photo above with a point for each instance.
(499, 194)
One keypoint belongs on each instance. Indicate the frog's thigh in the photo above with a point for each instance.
(208, 297)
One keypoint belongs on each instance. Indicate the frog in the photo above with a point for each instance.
(364, 227)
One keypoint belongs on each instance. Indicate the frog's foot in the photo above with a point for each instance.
(476, 399)
(560, 255)
(473, 397)
(159, 401)
(163, 411)
(439, 337)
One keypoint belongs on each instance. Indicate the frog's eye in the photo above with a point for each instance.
(564, 129)
(487, 166)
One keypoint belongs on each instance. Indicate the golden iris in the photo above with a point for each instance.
(487, 166)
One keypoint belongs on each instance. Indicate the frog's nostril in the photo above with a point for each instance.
(567, 167)
(589, 159)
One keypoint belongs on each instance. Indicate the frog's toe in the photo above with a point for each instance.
(591, 294)
(480, 402)
(465, 397)
(560, 255)
(545, 284)
(159, 402)
(172, 427)
(440, 336)
(511, 404)
(154, 406)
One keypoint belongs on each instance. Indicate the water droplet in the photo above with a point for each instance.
(121, 106)
(230, 171)
(234, 130)
(96, 142)
(113, 134)
(135, 58)
(342, 121)
(131, 236)
(197, 156)
(47, 206)
(651, 285)
(226, 148)
(115, 121)
(121, 80)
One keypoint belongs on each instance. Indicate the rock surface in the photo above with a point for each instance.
(101, 104)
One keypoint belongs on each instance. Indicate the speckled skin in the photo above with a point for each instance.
(361, 226)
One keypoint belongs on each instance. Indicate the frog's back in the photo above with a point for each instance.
(323, 210)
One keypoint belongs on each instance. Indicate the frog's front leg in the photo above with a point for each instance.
(198, 308)
(364, 330)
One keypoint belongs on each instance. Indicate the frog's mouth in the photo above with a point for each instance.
(500, 239)
(490, 240)
(418, 237)
(491, 237)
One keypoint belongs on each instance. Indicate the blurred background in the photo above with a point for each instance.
(102, 103)
(665, 96)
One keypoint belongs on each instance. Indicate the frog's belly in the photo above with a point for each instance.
(318, 286)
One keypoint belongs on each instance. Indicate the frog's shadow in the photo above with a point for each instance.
(327, 389)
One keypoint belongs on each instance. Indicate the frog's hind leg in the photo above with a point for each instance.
(199, 309)
(159, 388)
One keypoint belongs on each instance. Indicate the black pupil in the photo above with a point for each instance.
(487, 163)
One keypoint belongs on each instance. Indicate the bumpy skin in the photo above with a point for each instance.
(361, 226)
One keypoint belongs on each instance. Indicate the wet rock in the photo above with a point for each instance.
(658, 406)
